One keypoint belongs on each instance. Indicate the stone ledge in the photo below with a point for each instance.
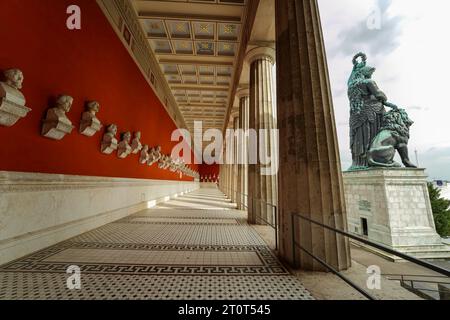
(386, 173)
(38, 210)
(436, 252)
(11, 181)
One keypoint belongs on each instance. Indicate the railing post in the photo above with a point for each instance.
(276, 227)
(294, 262)
(253, 208)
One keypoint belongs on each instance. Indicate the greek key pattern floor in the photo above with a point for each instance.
(160, 253)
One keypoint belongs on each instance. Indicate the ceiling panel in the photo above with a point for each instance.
(196, 43)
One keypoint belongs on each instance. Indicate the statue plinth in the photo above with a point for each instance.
(392, 207)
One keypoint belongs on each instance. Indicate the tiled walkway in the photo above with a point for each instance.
(194, 247)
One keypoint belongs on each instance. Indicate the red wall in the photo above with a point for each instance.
(209, 170)
(88, 64)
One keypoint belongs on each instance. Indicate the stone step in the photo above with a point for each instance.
(426, 252)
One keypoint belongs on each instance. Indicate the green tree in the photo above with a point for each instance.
(441, 211)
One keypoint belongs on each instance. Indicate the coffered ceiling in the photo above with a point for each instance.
(196, 43)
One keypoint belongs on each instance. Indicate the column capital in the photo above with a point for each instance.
(243, 92)
(234, 114)
(261, 53)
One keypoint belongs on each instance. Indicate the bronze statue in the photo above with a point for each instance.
(375, 135)
(393, 135)
(367, 104)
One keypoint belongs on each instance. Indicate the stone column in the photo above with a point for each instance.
(227, 186)
(310, 177)
(220, 177)
(244, 101)
(262, 115)
(221, 170)
(224, 171)
(234, 166)
(228, 171)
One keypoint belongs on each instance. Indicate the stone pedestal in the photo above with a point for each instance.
(392, 207)
(12, 105)
(57, 129)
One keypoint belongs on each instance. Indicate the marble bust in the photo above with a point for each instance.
(12, 101)
(169, 163)
(143, 159)
(124, 148)
(174, 165)
(89, 124)
(136, 144)
(163, 163)
(109, 141)
(154, 155)
(56, 124)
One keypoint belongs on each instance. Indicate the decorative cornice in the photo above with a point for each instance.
(389, 177)
(34, 182)
(234, 114)
(243, 92)
(249, 20)
(125, 23)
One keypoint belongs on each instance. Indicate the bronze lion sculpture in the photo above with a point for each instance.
(393, 136)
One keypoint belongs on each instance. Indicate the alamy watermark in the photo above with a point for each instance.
(73, 22)
(374, 278)
(74, 279)
(246, 147)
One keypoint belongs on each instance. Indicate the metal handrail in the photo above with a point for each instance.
(405, 278)
(360, 239)
(323, 263)
(410, 284)
(413, 275)
(253, 199)
(378, 246)
(420, 281)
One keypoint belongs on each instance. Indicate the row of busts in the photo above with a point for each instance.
(127, 146)
(210, 178)
(56, 125)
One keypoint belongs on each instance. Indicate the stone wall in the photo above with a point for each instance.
(39, 210)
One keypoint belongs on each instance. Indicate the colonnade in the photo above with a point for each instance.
(309, 180)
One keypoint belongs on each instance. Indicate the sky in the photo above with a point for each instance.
(408, 42)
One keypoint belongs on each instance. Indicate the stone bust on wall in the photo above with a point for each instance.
(56, 124)
(12, 101)
(109, 140)
(154, 155)
(136, 144)
(124, 148)
(164, 162)
(89, 124)
(144, 156)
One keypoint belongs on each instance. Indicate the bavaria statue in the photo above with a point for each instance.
(375, 134)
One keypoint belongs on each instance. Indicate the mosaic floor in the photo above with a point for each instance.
(194, 247)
